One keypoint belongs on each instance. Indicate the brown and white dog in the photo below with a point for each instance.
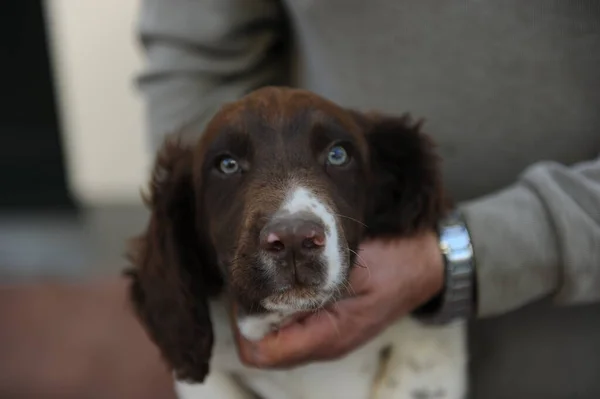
(268, 210)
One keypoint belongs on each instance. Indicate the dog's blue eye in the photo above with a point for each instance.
(229, 165)
(337, 156)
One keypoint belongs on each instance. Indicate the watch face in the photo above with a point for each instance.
(456, 243)
(457, 298)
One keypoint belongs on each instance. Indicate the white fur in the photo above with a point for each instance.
(255, 327)
(426, 362)
(300, 199)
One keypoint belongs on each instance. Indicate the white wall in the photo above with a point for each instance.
(95, 59)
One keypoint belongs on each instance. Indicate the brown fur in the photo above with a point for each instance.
(204, 227)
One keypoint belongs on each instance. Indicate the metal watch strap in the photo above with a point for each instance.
(456, 301)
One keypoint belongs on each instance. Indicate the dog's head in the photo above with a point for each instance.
(272, 204)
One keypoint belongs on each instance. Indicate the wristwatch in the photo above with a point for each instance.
(457, 300)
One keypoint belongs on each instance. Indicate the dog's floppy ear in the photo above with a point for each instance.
(170, 277)
(407, 195)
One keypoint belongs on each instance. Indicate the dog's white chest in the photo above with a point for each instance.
(417, 362)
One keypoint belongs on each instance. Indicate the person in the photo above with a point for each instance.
(510, 92)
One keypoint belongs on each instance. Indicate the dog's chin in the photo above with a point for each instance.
(305, 299)
(298, 299)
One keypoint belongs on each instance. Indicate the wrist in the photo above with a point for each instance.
(436, 271)
(455, 298)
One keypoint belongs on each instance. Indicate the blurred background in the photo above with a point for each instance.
(74, 157)
(72, 147)
(72, 163)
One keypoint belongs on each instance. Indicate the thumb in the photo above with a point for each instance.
(313, 338)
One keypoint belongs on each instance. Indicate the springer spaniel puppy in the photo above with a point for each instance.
(267, 211)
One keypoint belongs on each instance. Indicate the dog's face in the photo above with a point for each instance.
(282, 182)
(273, 202)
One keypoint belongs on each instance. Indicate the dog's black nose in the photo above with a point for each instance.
(293, 234)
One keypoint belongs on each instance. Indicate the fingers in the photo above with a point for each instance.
(323, 336)
(293, 345)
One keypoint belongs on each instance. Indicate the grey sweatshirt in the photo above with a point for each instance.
(510, 90)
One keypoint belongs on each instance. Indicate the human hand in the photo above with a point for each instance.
(391, 279)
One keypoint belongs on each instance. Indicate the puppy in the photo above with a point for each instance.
(267, 211)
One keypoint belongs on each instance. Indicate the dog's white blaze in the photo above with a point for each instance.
(301, 199)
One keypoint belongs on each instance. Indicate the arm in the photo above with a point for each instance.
(202, 53)
(539, 237)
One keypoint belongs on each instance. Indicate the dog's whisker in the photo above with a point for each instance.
(357, 255)
(350, 218)
(338, 293)
(361, 259)
(350, 288)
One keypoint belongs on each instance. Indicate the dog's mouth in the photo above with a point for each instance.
(298, 299)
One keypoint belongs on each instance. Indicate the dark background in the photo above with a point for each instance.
(32, 167)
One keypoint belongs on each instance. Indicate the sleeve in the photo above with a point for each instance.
(202, 53)
(539, 237)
